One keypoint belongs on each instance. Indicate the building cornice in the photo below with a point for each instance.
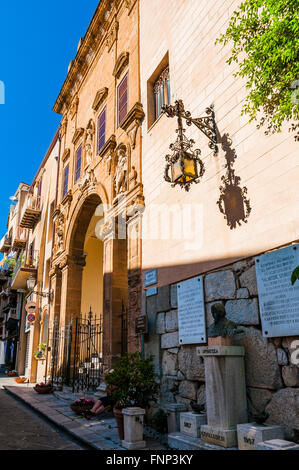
(96, 33)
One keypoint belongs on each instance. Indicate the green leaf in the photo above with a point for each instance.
(295, 275)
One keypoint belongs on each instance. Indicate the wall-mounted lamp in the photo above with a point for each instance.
(31, 282)
(184, 165)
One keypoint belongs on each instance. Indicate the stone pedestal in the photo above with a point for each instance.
(277, 444)
(133, 428)
(173, 416)
(251, 434)
(190, 423)
(225, 393)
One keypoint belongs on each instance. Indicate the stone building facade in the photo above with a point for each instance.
(111, 216)
(97, 254)
(37, 220)
(186, 234)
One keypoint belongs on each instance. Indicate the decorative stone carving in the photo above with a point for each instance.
(120, 176)
(105, 229)
(132, 178)
(99, 98)
(59, 234)
(89, 142)
(121, 63)
(68, 260)
(74, 107)
(54, 270)
(108, 162)
(65, 154)
(112, 35)
(132, 122)
(136, 206)
(63, 126)
(88, 181)
(77, 134)
(108, 147)
(129, 4)
(86, 52)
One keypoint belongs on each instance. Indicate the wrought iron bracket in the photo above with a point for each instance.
(206, 124)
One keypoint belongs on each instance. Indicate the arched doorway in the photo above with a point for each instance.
(92, 275)
(94, 287)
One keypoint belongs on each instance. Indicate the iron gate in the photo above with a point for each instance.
(88, 356)
(59, 354)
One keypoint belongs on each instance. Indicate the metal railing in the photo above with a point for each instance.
(21, 234)
(26, 260)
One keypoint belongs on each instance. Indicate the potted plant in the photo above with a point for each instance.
(20, 380)
(11, 373)
(82, 406)
(43, 388)
(132, 383)
(40, 353)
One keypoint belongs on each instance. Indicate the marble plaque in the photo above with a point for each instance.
(191, 311)
(278, 299)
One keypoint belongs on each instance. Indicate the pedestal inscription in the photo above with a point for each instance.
(278, 299)
(191, 423)
(225, 393)
(191, 311)
(251, 434)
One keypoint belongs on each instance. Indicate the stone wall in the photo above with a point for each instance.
(272, 380)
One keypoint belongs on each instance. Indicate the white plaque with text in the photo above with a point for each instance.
(278, 299)
(191, 311)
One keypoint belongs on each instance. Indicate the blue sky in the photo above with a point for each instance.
(37, 42)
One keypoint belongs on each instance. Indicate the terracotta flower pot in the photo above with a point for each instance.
(20, 380)
(43, 389)
(120, 422)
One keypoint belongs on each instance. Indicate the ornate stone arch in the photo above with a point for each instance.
(85, 208)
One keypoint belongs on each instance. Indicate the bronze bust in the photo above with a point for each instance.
(221, 326)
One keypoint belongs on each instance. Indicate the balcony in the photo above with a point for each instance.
(25, 266)
(20, 240)
(5, 244)
(31, 212)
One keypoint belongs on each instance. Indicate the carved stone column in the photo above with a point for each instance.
(115, 293)
(55, 275)
(71, 287)
(134, 230)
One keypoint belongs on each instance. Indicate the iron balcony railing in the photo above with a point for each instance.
(26, 261)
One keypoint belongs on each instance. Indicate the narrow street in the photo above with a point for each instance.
(22, 429)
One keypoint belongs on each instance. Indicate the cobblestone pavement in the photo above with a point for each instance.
(98, 433)
(22, 429)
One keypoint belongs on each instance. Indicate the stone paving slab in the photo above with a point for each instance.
(98, 433)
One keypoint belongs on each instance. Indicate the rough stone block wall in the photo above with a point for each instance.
(272, 380)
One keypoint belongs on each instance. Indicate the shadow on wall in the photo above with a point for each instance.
(233, 203)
